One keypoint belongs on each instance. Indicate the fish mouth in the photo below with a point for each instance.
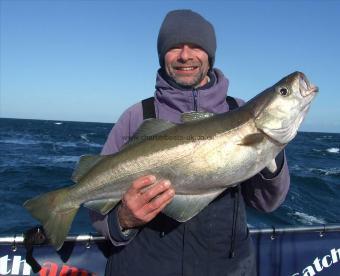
(306, 88)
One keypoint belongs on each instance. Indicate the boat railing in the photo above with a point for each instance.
(92, 237)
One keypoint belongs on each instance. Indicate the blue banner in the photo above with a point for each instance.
(75, 259)
(298, 253)
(287, 253)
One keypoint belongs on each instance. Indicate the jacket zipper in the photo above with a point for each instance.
(194, 93)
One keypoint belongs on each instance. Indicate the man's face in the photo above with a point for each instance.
(187, 65)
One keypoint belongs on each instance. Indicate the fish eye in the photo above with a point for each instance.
(284, 91)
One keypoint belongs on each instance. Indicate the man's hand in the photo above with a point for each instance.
(141, 203)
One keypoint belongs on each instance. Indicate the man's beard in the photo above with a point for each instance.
(194, 80)
(187, 80)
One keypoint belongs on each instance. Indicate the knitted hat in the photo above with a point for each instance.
(186, 26)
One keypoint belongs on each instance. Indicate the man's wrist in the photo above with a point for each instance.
(124, 228)
(117, 232)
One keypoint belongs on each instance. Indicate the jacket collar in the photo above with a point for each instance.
(209, 98)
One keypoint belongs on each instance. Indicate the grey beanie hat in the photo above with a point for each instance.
(186, 26)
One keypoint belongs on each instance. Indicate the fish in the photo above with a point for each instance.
(202, 156)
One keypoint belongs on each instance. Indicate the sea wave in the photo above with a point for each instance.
(38, 141)
(20, 141)
(60, 159)
(307, 219)
(333, 150)
(329, 171)
(94, 145)
(316, 150)
(84, 137)
(87, 140)
(324, 137)
(295, 168)
(66, 144)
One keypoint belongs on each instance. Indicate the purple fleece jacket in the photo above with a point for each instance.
(264, 194)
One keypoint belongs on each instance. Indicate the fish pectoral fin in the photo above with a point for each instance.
(252, 139)
(101, 206)
(148, 128)
(194, 116)
(86, 162)
(184, 207)
(272, 167)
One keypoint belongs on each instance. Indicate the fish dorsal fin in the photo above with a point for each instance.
(149, 128)
(85, 163)
(102, 206)
(194, 116)
(153, 126)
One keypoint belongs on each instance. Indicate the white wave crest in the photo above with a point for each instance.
(94, 145)
(20, 141)
(325, 137)
(66, 144)
(328, 171)
(59, 159)
(84, 137)
(296, 168)
(333, 150)
(308, 219)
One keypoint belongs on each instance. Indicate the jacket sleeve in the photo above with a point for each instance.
(108, 225)
(266, 191)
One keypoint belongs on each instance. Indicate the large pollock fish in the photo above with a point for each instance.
(201, 157)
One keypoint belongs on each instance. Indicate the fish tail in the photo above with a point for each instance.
(55, 216)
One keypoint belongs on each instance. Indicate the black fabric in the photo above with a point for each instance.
(148, 108)
(34, 236)
(200, 246)
(232, 103)
(186, 26)
(236, 195)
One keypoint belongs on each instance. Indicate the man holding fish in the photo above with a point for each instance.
(170, 188)
(216, 241)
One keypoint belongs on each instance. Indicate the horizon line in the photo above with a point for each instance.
(112, 123)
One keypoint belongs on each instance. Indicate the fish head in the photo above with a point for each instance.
(284, 107)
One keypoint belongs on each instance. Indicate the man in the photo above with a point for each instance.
(216, 241)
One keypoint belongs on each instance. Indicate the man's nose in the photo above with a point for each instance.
(185, 53)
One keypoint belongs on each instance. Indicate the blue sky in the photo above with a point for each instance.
(84, 60)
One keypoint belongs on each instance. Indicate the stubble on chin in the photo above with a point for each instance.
(186, 81)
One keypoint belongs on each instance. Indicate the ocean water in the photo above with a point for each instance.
(37, 156)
